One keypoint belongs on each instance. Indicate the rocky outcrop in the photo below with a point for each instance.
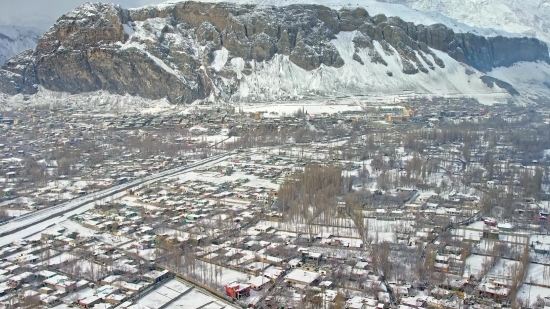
(491, 82)
(185, 51)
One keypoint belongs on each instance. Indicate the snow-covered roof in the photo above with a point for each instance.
(302, 276)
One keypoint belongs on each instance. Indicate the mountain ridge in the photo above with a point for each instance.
(15, 39)
(191, 51)
(516, 16)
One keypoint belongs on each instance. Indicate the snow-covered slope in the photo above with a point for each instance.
(15, 39)
(531, 78)
(531, 18)
(280, 78)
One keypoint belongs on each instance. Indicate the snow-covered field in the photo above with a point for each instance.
(198, 299)
(504, 269)
(384, 230)
(530, 293)
(162, 295)
(538, 274)
(16, 212)
(276, 110)
(474, 265)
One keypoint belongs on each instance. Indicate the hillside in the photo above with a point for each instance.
(189, 51)
(531, 18)
(15, 39)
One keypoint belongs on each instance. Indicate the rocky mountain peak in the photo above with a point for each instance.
(194, 50)
(89, 25)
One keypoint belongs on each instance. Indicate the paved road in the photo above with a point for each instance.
(31, 223)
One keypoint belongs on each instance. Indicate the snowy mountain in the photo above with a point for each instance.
(531, 18)
(15, 39)
(397, 8)
(189, 51)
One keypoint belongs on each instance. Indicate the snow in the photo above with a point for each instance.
(217, 178)
(538, 274)
(503, 268)
(528, 292)
(302, 276)
(61, 259)
(106, 101)
(474, 265)
(280, 78)
(528, 18)
(83, 204)
(384, 230)
(373, 7)
(15, 39)
(227, 275)
(177, 285)
(527, 77)
(192, 300)
(158, 61)
(220, 59)
(290, 108)
(164, 294)
(128, 29)
(16, 212)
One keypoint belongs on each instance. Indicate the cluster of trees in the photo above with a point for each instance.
(308, 193)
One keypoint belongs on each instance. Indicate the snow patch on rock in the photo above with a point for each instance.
(220, 59)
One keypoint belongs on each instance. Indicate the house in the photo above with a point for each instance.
(312, 257)
(493, 289)
(273, 273)
(18, 280)
(237, 291)
(46, 290)
(60, 283)
(156, 275)
(541, 248)
(298, 276)
(91, 301)
(326, 285)
(27, 259)
(109, 280)
(357, 302)
(505, 227)
(127, 286)
(45, 274)
(491, 233)
(258, 282)
(115, 298)
(49, 300)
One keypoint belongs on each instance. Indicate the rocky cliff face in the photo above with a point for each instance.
(191, 50)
